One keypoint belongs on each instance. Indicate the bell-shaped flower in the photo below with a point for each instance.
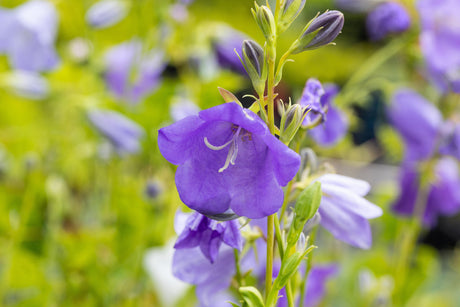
(442, 196)
(418, 121)
(440, 41)
(228, 160)
(311, 98)
(344, 211)
(27, 35)
(121, 132)
(335, 123)
(131, 74)
(387, 18)
(207, 234)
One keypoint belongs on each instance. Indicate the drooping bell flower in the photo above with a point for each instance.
(442, 195)
(106, 13)
(27, 35)
(311, 98)
(228, 160)
(440, 42)
(27, 84)
(131, 73)
(335, 123)
(121, 132)
(345, 212)
(418, 122)
(387, 18)
(207, 234)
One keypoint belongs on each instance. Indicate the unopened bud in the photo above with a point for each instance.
(291, 121)
(289, 12)
(266, 21)
(320, 31)
(254, 62)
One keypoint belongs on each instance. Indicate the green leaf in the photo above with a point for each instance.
(251, 297)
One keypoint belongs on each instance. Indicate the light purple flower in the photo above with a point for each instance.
(344, 211)
(132, 74)
(228, 160)
(27, 35)
(387, 18)
(418, 121)
(183, 108)
(315, 287)
(451, 140)
(27, 84)
(122, 133)
(311, 98)
(192, 265)
(335, 123)
(442, 197)
(106, 13)
(207, 234)
(440, 41)
(225, 45)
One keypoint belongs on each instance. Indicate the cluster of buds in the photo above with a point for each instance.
(292, 117)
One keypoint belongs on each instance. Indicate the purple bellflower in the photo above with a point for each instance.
(440, 42)
(200, 259)
(122, 133)
(207, 234)
(225, 45)
(311, 98)
(131, 74)
(418, 121)
(334, 124)
(442, 196)
(106, 13)
(27, 36)
(387, 18)
(344, 211)
(228, 160)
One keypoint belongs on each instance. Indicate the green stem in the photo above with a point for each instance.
(239, 280)
(270, 247)
(307, 269)
(281, 247)
(286, 198)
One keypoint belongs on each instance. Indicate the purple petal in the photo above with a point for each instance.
(316, 283)
(345, 225)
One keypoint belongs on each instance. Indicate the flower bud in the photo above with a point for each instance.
(289, 12)
(291, 121)
(254, 62)
(320, 31)
(265, 20)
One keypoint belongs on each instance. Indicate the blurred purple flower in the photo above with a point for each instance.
(228, 160)
(440, 42)
(225, 45)
(183, 108)
(387, 18)
(451, 140)
(132, 74)
(153, 189)
(335, 123)
(27, 84)
(122, 133)
(344, 211)
(207, 234)
(418, 121)
(27, 35)
(106, 13)
(316, 286)
(443, 193)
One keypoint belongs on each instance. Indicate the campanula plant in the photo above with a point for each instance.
(233, 163)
